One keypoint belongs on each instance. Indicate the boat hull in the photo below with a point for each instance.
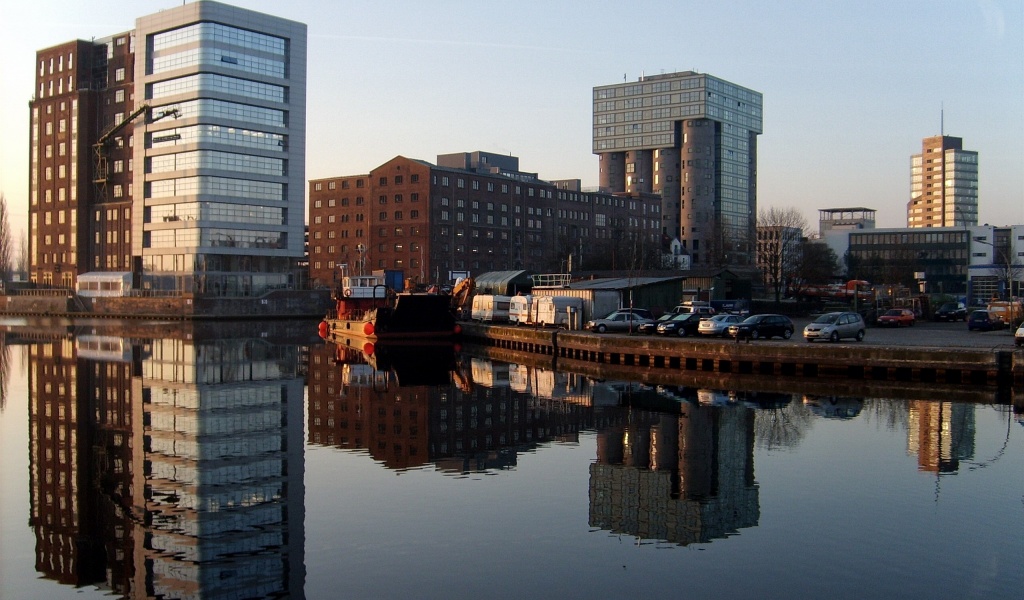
(409, 316)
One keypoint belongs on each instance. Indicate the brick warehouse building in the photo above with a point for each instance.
(470, 212)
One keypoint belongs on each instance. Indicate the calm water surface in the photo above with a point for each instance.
(170, 461)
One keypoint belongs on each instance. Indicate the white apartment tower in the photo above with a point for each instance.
(219, 161)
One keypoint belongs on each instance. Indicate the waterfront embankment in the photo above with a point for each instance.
(998, 364)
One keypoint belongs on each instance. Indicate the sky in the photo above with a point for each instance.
(850, 88)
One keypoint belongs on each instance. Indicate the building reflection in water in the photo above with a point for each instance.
(667, 470)
(683, 478)
(168, 467)
(940, 434)
(411, 406)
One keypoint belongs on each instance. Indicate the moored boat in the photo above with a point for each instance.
(367, 306)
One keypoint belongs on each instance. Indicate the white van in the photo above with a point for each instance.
(559, 311)
(489, 308)
(520, 310)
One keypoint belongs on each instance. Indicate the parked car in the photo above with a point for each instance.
(717, 325)
(649, 327)
(835, 326)
(683, 324)
(951, 311)
(1018, 337)
(617, 321)
(641, 312)
(983, 320)
(762, 326)
(897, 317)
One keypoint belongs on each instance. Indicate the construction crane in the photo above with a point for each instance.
(100, 148)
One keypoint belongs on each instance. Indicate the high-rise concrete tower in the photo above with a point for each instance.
(692, 138)
(943, 184)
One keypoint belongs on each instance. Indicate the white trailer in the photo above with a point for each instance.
(559, 311)
(488, 308)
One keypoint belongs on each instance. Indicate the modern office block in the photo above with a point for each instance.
(691, 138)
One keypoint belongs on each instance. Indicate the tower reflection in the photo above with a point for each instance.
(168, 464)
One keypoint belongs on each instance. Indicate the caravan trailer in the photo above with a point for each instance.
(520, 310)
(559, 311)
(489, 308)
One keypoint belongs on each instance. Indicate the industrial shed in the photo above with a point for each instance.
(503, 283)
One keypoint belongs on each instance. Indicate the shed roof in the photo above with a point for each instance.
(619, 283)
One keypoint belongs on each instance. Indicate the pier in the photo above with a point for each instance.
(850, 361)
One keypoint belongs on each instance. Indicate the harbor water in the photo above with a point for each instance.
(155, 460)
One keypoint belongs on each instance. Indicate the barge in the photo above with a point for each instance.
(367, 306)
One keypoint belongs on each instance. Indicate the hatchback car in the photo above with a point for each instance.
(951, 311)
(835, 326)
(617, 321)
(717, 325)
(982, 320)
(682, 325)
(1018, 337)
(897, 317)
(762, 326)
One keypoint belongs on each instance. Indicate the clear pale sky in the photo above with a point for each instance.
(850, 88)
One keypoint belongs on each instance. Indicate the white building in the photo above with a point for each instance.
(219, 190)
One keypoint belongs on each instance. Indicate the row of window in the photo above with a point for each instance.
(212, 82)
(250, 214)
(218, 134)
(207, 56)
(217, 186)
(221, 109)
(212, 159)
(214, 238)
(215, 32)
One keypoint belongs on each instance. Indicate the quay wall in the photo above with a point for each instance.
(859, 361)
(276, 304)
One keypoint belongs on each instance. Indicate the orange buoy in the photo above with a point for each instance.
(458, 329)
(368, 329)
(368, 349)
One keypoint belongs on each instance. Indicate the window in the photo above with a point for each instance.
(383, 181)
(398, 180)
(119, 74)
(119, 96)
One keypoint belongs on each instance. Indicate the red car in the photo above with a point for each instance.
(897, 317)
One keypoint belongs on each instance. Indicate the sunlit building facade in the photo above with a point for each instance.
(175, 151)
(943, 184)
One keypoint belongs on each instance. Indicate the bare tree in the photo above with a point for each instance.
(6, 241)
(779, 234)
(21, 261)
(818, 263)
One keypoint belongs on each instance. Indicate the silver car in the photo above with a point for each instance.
(835, 326)
(619, 320)
(717, 325)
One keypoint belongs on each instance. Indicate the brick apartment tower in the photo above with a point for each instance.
(943, 184)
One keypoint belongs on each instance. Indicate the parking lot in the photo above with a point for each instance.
(923, 333)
